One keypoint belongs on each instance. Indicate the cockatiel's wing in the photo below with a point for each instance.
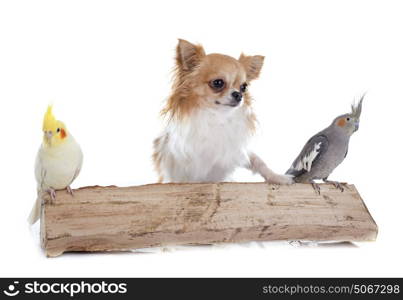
(309, 155)
(40, 172)
(78, 170)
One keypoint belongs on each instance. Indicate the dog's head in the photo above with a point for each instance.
(214, 81)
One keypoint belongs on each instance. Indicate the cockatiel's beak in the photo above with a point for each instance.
(48, 136)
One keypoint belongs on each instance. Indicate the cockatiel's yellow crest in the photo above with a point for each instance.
(49, 120)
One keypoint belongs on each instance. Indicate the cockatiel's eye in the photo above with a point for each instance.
(58, 130)
(348, 119)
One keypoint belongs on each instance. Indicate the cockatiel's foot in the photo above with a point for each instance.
(315, 186)
(336, 184)
(69, 190)
(52, 194)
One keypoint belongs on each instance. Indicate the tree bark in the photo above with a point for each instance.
(124, 218)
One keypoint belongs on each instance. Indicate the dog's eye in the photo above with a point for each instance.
(244, 87)
(217, 84)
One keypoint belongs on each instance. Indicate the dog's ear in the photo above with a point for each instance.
(252, 65)
(188, 56)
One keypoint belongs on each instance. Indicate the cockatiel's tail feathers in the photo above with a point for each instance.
(356, 108)
(35, 212)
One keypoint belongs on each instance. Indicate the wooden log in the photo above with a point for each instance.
(124, 218)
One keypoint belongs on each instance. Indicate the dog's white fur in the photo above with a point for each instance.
(207, 146)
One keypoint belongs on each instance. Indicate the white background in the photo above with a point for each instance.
(106, 67)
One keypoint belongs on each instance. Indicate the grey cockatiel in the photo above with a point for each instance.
(326, 150)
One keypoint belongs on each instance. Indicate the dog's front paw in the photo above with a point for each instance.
(286, 179)
(280, 179)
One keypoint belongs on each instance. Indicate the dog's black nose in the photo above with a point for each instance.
(237, 96)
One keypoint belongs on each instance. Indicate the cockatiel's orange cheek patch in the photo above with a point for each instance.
(63, 134)
(341, 122)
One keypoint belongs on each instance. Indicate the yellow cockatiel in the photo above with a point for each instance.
(58, 161)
